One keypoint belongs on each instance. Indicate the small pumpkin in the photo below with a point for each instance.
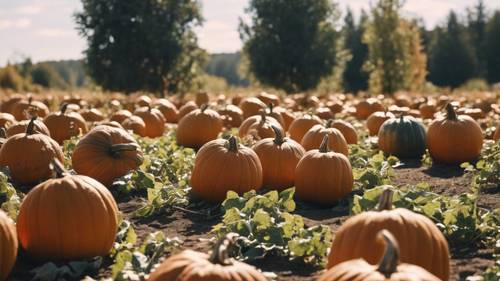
(223, 165)
(301, 125)
(251, 106)
(427, 110)
(67, 218)
(232, 116)
(244, 129)
(324, 113)
(322, 176)
(403, 137)
(120, 116)
(8, 245)
(113, 124)
(263, 129)
(268, 98)
(348, 130)
(6, 120)
(20, 127)
(424, 245)
(376, 119)
(154, 120)
(92, 115)
(168, 110)
(64, 125)
(454, 139)
(186, 108)
(336, 141)
(106, 153)
(279, 157)
(366, 107)
(29, 155)
(143, 101)
(198, 127)
(6, 106)
(201, 98)
(387, 269)
(276, 115)
(195, 266)
(23, 109)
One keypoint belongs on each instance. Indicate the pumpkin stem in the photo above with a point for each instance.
(385, 200)
(450, 112)
(58, 168)
(389, 262)
(2, 133)
(262, 117)
(232, 144)
(64, 107)
(220, 251)
(203, 107)
(271, 107)
(279, 136)
(30, 129)
(116, 149)
(323, 148)
(329, 123)
(30, 100)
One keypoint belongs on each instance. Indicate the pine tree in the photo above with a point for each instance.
(354, 77)
(477, 20)
(492, 48)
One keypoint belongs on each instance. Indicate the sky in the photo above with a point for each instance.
(45, 30)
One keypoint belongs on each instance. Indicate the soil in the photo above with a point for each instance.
(193, 228)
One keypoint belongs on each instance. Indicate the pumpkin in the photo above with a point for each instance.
(251, 107)
(287, 115)
(38, 127)
(154, 120)
(64, 125)
(279, 157)
(23, 109)
(186, 108)
(223, 165)
(427, 110)
(195, 266)
(8, 245)
(454, 139)
(367, 107)
(244, 129)
(7, 105)
(143, 101)
(168, 109)
(198, 127)
(336, 141)
(113, 124)
(301, 125)
(324, 113)
(263, 129)
(136, 125)
(268, 98)
(67, 218)
(348, 130)
(106, 153)
(201, 98)
(376, 119)
(387, 269)
(496, 135)
(120, 116)
(335, 106)
(6, 120)
(92, 115)
(29, 155)
(475, 113)
(322, 176)
(232, 116)
(276, 115)
(403, 137)
(424, 244)
(2, 136)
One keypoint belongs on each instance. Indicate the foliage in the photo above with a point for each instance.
(291, 44)
(141, 44)
(265, 225)
(486, 171)
(458, 217)
(492, 45)
(10, 198)
(226, 66)
(68, 148)
(73, 270)
(354, 77)
(11, 79)
(44, 74)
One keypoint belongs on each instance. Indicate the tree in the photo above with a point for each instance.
(452, 59)
(477, 20)
(492, 47)
(11, 79)
(392, 44)
(354, 77)
(45, 75)
(291, 44)
(141, 44)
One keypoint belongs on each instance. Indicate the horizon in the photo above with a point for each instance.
(44, 29)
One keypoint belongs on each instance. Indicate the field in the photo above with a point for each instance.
(160, 214)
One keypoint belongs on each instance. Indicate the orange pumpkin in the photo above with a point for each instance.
(198, 127)
(64, 125)
(279, 157)
(348, 130)
(92, 115)
(120, 116)
(336, 141)
(232, 116)
(454, 139)
(223, 165)
(387, 269)
(154, 120)
(195, 266)
(168, 109)
(335, 106)
(143, 101)
(424, 244)
(8, 245)
(324, 113)
(23, 109)
(301, 125)
(276, 115)
(496, 136)
(38, 127)
(106, 153)
(7, 105)
(322, 176)
(263, 129)
(113, 124)
(287, 115)
(29, 155)
(201, 98)
(427, 110)
(6, 120)
(251, 107)
(376, 119)
(367, 107)
(268, 98)
(67, 218)
(186, 108)
(244, 129)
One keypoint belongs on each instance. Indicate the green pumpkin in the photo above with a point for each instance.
(403, 137)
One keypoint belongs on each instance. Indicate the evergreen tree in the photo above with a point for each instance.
(45, 75)
(492, 48)
(354, 77)
(477, 20)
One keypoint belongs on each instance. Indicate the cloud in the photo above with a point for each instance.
(30, 9)
(53, 32)
(15, 24)
(219, 36)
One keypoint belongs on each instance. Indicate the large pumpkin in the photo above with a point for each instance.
(8, 245)
(64, 125)
(223, 165)
(24, 109)
(106, 153)
(323, 176)
(348, 130)
(28, 156)
(279, 157)
(376, 119)
(67, 218)
(454, 139)
(195, 266)
(387, 269)
(424, 244)
(198, 127)
(154, 120)
(403, 137)
(336, 141)
(20, 127)
(301, 125)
